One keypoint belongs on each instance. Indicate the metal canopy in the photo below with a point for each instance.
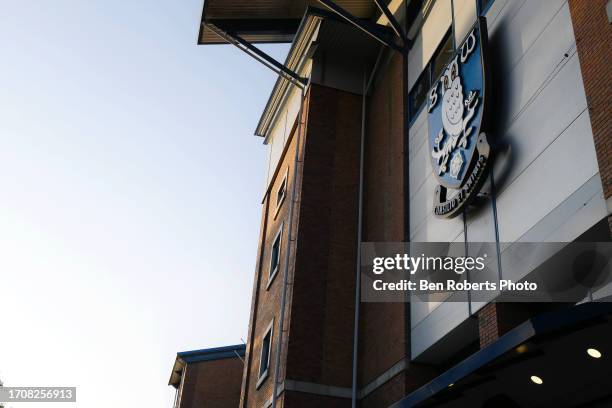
(552, 346)
(266, 21)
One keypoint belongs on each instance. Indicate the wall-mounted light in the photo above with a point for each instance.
(537, 380)
(594, 353)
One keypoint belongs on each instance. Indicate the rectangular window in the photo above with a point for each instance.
(417, 98)
(418, 94)
(275, 253)
(282, 191)
(442, 57)
(483, 6)
(264, 358)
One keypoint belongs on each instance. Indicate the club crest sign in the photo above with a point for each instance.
(458, 146)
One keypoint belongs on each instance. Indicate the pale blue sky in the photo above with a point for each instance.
(130, 190)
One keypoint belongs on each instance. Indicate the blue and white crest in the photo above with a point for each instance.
(455, 114)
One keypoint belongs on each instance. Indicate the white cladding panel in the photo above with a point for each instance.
(465, 17)
(437, 23)
(282, 126)
(548, 186)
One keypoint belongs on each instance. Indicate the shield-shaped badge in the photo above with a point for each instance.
(458, 146)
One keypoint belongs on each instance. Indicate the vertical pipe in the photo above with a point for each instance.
(359, 232)
(366, 86)
(281, 317)
(494, 208)
(466, 248)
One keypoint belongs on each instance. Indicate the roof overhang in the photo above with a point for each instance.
(195, 356)
(265, 21)
(320, 31)
(297, 56)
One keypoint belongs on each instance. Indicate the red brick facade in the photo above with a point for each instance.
(213, 384)
(318, 326)
(384, 327)
(488, 327)
(593, 35)
(267, 293)
(382, 337)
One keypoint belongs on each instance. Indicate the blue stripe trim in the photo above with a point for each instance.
(212, 353)
(483, 11)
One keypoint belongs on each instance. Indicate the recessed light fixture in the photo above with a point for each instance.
(594, 353)
(536, 380)
(521, 349)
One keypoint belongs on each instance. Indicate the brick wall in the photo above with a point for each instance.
(488, 329)
(267, 293)
(383, 325)
(322, 307)
(292, 399)
(213, 384)
(317, 342)
(593, 35)
(496, 319)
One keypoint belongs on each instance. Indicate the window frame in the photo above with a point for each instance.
(273, 272)
(428, 71)
(482, 11)
(262, 376)
(412, 111)
(284, 183)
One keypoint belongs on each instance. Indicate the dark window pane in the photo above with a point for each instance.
(281, 192)
(275, 256)
(418, 94)
(484, 6)
(442, 57)
(265, 353)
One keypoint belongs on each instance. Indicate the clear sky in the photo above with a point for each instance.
(130, 190)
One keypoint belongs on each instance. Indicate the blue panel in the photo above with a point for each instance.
(484, 6)
(212, 353)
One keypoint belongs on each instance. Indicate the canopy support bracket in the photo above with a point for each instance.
(259, 55)
(374, 31)
(395, 25)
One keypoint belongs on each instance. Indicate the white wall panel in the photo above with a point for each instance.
(566, 222)
(465, 17)
(439, 322)
(559, 171)
(283, 124)
(550, 189)
(418, 132)
(276, 143)
(434, 28)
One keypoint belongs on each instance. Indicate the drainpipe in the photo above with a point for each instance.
(288, 251)
(366, 87)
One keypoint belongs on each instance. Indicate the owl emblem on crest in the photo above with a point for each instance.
(455, 125)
